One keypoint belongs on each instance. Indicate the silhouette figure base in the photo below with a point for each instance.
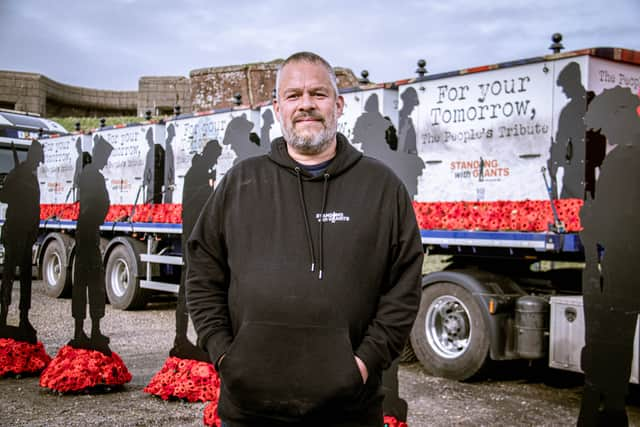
(97, 342)
(84, 370)
(21, 358)
(191, 380)
(25, 332)
(184, 349)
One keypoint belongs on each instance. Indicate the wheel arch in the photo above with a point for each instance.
(483, 286)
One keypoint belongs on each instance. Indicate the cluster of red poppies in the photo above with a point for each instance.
(211, 418)
(59, 211)
(19, 357)
(518, 215)
(74, 370)
(393, 422)
(158, 213)
(188, 379)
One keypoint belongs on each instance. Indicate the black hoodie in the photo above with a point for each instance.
(290, 275)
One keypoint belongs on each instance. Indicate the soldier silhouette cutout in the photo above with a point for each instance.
(198, 186)
(89, 269)
(21, 193)
(596, 150)
(376, 133)
(170, 168)
(243, 142)
(568, 150)
(149, 167)
(265, 131)
(610, 291)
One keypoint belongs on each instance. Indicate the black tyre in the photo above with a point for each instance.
(55, 272)
(450, 336)
(122, 281)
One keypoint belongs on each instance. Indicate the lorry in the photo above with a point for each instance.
(483, 152)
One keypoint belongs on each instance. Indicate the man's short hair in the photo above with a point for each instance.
(311, 58)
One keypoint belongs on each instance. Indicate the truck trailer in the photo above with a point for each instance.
(498, 162)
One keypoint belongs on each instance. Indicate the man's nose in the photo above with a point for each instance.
(306, 102)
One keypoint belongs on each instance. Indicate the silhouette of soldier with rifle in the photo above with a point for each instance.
(89, 269)
(198, 186)
(22, 195)
(568, 150)
(610, 279)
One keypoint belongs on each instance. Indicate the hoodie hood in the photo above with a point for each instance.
(346, 156)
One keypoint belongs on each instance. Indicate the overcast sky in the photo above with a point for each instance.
(111, 44)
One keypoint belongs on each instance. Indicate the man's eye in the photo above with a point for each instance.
(292, 96)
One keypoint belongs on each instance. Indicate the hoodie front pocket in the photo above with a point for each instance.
(289, 370)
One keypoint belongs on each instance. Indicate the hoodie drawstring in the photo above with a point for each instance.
(303, 205)
(324, 202)
(321, 218)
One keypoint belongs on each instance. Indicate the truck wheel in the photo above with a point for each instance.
(122, 282)
(55, 274)
(450, 336)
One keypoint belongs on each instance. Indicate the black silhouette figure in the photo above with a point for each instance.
(596, 150)
(611, 228)
(22, 195)
(374, 132)
(406, 129)
(170, 167)
(244, 142)
(198, 185)
(149, 167)
(89, 269)
(265, 131)
(78, 169)
(568, 150)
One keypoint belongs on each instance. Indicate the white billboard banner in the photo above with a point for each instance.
(62, 165)
(131, 161)
(483, 136)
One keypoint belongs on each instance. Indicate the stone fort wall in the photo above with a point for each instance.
(205, 89)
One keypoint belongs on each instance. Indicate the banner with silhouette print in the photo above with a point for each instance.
(482, 136)
(235, 131)
(135, 171)
(355, 101)
(58, 177)
(269, 125)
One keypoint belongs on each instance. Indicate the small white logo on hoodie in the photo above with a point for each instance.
(332, 217)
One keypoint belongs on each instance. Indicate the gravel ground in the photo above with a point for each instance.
(512, 394)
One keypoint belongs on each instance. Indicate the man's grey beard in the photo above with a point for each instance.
(311, 144)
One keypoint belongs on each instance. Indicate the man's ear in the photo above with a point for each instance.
(339, 105)
(276, 109)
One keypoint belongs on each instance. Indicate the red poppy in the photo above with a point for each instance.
(187, 379)
(74, 370)
(19, 357)
(519, 215)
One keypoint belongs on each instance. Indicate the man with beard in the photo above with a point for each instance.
(304, 269)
